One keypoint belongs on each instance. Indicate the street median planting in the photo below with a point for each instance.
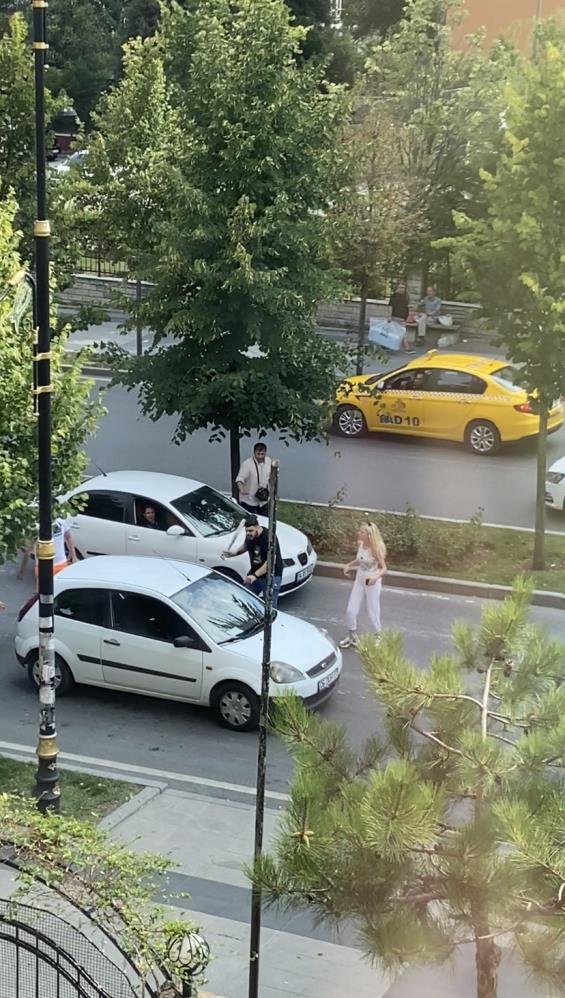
(470, 550)
(83, 796)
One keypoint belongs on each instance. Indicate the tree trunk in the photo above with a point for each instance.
(487, 960)
(235, 458)
(539, 542)
(448, 276)
(361, 332)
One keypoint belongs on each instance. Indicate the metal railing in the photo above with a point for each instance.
(43, 956)
(94, 261)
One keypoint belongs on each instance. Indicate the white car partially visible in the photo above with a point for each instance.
(177, 631)
(196, 523)
(555, 485)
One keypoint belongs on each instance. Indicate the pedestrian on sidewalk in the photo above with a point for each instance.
(253, 481)
(27, 553)
(257, 545)
(370, 566)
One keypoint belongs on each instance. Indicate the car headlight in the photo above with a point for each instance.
(555, 477)
(287, 562)
(309, 548)
(282, 673)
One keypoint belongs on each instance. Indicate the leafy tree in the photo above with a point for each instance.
(140, 18)
(10, 7)
(446, 103)
(516, 251)
(450, 831)
(120, 196)
(329, 44)
(365, 17)
(84, 53)
(17, 122)
(239, 244)
(381, 213)
(74, 415)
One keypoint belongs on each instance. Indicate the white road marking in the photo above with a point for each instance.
(164, 774)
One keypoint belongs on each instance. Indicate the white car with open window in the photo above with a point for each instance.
(193, 522)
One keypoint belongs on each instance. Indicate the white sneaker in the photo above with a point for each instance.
(349, 642)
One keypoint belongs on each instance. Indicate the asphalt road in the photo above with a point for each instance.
(379, 472)
(178, 739)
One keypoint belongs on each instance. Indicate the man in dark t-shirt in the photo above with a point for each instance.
(398, 303)
(257, 546)
(399, 309)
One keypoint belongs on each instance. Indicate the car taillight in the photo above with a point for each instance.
(27, 606)
(524, 407)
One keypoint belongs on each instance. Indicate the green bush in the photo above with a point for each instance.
(408, 537)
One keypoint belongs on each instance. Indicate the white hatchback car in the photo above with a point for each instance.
(178, 631)
(555, 485)
(195, 524)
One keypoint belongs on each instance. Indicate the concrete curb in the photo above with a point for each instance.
(130, 807)
(437, 584)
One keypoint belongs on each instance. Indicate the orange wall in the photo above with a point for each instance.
(509, 17)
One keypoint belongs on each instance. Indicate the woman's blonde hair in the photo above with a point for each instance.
(375, 541)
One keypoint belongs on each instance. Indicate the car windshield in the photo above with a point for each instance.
(224, 610)
(508, 377)
(209, 512)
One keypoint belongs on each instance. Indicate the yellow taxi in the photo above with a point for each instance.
(463, 397)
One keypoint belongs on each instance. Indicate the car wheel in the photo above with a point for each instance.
(350, 421)
(64, 680)
(236, 706)
(482, 437)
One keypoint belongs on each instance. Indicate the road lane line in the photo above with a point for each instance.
(143, 770)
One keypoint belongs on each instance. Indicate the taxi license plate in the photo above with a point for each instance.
(327, 680)
(303, 574)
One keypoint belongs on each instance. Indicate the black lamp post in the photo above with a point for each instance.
(47, 776)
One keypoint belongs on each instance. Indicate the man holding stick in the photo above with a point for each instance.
(257, 545)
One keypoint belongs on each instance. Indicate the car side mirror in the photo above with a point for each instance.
(184, 641)
(176, 530)
(380, 386)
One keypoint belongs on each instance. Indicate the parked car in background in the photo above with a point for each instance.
(177, 631)
(555, 485)
(194, 523)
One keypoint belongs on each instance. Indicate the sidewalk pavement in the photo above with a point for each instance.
(108, 332)
(210, 839)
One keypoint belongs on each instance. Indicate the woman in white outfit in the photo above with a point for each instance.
(370, 567)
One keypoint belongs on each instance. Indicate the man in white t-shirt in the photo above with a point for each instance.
(253, 481)
(63, 543)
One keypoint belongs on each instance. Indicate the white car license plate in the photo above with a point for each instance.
(327, 680)
(303, 574)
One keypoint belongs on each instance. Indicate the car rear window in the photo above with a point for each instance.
(508, 377)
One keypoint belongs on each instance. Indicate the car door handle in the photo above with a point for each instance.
(133, 537)
(111, 641)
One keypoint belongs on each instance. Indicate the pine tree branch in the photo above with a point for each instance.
(501, 738)
(425, 898)
(436, 740)
(493, 935)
